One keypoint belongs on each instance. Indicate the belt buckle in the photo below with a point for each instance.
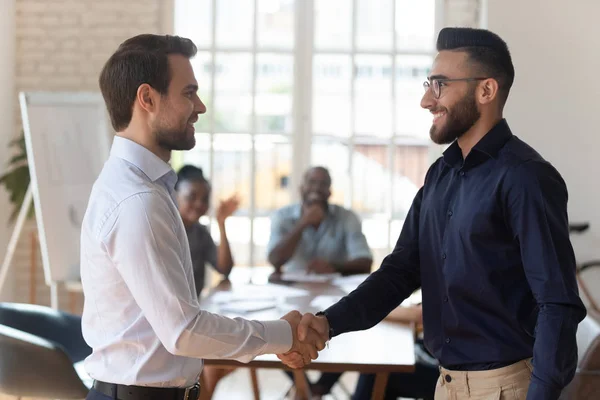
(193, 390)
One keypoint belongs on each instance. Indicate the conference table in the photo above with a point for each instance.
(388, 347)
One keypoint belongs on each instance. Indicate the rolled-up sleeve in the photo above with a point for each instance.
(537, 210)
(142, 244)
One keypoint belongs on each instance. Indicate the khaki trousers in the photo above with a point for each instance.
(507, 383)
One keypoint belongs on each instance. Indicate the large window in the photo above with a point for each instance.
(290, 84)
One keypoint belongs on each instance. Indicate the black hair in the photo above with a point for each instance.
(318, 168)
(485, 49)
(190, 173)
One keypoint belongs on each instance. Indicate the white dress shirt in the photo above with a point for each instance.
(141, 314)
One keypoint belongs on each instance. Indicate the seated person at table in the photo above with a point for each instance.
(318, 237)
(419, 384)
(193, 200)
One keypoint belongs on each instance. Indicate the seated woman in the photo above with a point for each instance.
(193, 200)
(419, 384)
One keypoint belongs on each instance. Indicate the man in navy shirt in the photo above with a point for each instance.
(487, 240)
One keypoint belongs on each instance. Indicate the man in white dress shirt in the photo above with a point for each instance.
(141, 314)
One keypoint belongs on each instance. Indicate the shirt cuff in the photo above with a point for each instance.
(278, 337)
(335, 317)
(540, 391)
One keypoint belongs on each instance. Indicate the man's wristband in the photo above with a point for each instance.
(324, 314)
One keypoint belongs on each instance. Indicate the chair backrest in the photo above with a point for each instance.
(31, 366)
(586, 383)
(588, 344)
(57, 326)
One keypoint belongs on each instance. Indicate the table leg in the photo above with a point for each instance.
(302, 386)
(380, 383)
(255, 388)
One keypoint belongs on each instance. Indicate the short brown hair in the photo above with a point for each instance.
(141, 59)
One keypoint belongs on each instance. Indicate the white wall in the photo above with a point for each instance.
(554, 102)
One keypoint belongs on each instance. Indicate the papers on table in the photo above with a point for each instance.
(304, 277)
(323, 301)
(253, 298)
(350, 280)
(257, 292)
(349, 283)
(242, 307)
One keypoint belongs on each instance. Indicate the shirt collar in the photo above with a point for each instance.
(489, 146)
(148, 162)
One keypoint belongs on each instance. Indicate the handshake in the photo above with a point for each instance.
(310, 334)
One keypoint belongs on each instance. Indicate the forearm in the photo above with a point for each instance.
(373, 300)
(212, 336)
(353, 267)
(224, 256)
(554, 351)
(285, 249)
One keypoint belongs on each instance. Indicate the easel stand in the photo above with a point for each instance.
(12, 247)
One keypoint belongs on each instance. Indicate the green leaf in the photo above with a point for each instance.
(17, 179)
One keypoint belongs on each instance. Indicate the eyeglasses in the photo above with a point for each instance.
(436, 84)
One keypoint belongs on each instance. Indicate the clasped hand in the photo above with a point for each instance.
(310, 334)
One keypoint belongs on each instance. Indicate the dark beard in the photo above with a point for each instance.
(173, 139)
(462, 118)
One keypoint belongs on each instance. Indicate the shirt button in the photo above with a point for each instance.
(445, 299)
(443, 256)
(462, 173)
(448, 378)
(450, 213)
(447, 340)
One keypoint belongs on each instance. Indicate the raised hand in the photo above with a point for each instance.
(302, 352)
(313, 214)
(227, 207)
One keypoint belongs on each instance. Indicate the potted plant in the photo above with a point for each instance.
(16, 179)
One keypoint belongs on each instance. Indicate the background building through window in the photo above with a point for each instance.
(290, 84)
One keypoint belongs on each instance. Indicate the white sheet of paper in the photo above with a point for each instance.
(304, 277)
(350, 280)
(323, 301)
(269, 292)
(242, 307)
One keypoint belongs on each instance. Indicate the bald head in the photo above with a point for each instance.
(316, 186)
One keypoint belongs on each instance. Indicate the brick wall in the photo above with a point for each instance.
(62, 44)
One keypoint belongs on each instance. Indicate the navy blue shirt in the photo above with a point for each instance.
(487, 239)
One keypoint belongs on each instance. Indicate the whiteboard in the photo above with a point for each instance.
(67, 137)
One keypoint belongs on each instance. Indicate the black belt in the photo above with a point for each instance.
(124, 392)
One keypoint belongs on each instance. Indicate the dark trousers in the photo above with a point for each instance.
(94, 395)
